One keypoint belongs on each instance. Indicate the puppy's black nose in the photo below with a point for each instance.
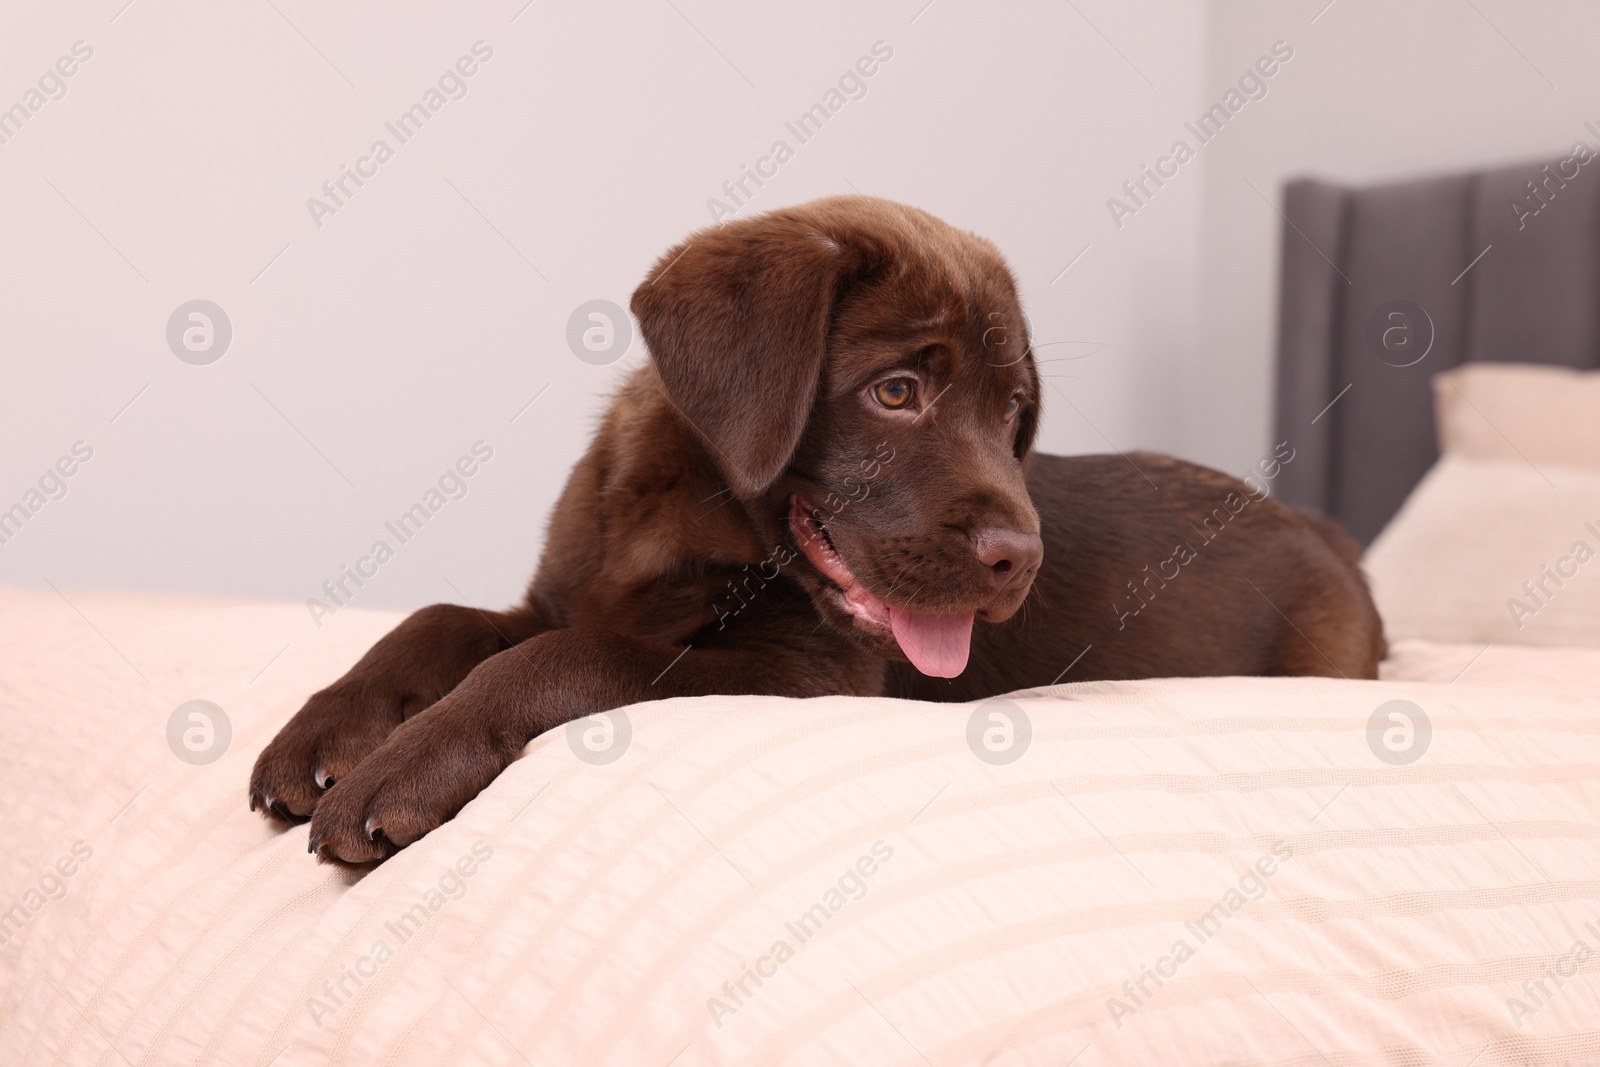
(1012, 557)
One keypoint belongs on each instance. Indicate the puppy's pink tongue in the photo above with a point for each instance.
(935, 644)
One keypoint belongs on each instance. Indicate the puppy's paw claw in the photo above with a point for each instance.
(324, 742)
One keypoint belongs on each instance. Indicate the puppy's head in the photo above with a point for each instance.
(861, 373)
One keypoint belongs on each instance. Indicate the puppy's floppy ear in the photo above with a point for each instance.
(737, 321)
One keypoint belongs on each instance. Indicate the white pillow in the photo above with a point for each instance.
(1493, 551)
(1534, 412)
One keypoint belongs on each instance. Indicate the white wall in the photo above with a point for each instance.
(1376, 91)
(430, 308)
(424, 314)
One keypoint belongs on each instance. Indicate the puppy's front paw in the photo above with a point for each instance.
(323, 743)
(425, 773)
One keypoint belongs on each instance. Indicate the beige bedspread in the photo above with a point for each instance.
(1202, 871)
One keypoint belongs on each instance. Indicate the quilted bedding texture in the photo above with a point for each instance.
(1227, 870)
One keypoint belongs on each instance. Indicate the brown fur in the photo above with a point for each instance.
(674, 531)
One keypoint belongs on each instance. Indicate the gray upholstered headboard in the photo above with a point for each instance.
(1352, 255)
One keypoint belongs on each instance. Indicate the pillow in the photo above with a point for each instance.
(1493, 551)
(1522, 411)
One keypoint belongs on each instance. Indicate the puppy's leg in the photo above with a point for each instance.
(433, 764)
(1334, 635)
(420, 661)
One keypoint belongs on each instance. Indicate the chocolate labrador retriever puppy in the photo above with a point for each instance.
(819, 483)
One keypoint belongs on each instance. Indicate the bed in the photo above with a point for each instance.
(1503, 266)
(1200, 871)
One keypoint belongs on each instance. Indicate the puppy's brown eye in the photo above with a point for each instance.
(1013, 407)
(895, 393)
